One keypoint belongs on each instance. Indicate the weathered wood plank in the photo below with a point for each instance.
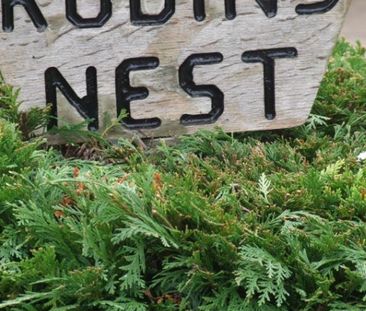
(26, 54)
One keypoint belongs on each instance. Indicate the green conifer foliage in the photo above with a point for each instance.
(251, 222)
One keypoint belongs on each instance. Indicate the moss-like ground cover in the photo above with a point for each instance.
(258, 221)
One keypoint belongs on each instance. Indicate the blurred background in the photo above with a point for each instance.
(355, 27)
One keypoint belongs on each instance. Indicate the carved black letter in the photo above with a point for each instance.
(187, 83)
(74, 17)
(87, 106)
(200, 12)
(269, 7)
(32, 9)
(316, 8)
(141, 19)
(126, 93)
(267, 58)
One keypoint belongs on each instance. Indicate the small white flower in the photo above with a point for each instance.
(361, 157)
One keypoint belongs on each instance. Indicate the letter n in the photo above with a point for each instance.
(86, 106)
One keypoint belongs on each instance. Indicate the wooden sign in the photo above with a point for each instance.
(174, 66)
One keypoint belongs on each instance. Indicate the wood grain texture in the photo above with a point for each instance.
(25, 54)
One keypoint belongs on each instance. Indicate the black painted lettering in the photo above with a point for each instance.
(267, 58)
(269, 7)
(141, 19)
(87, 106)
(187, 83)
(32, 9)
(125, 93)
(316, 8)
(76, 19)
(200, 11)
